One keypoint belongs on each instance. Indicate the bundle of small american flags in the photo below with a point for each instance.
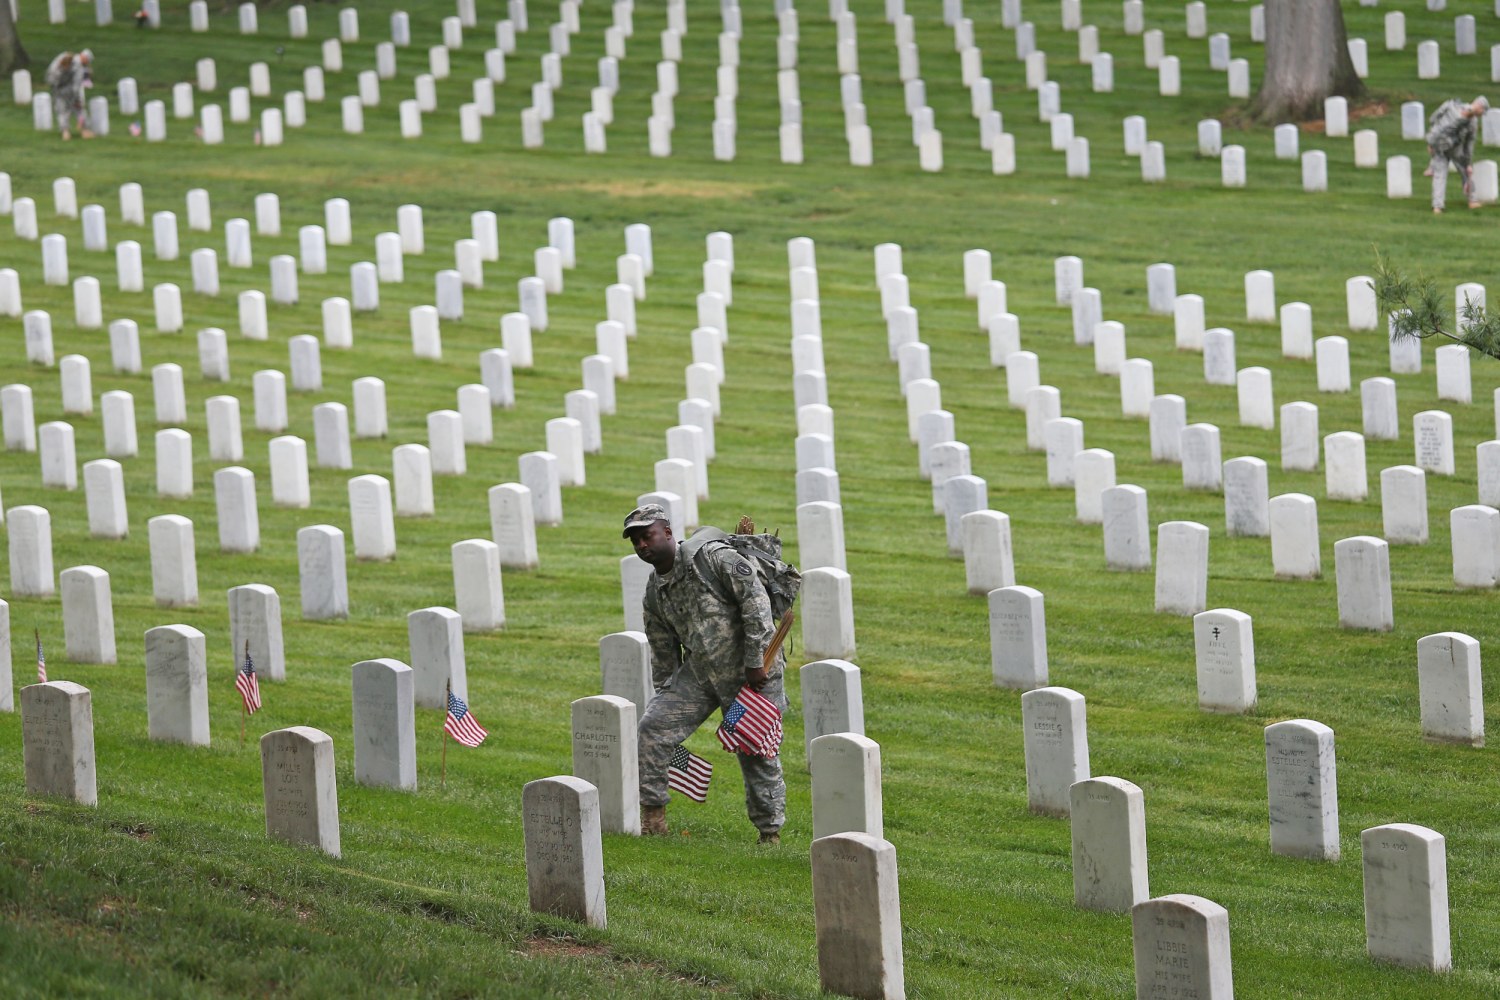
(461, 724)
(752, 725)
(689, 774)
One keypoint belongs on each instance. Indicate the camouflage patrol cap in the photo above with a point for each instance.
(644, 515)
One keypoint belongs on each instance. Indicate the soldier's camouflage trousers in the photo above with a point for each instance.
(674, 714)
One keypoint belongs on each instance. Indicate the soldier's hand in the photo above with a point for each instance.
(757, 678)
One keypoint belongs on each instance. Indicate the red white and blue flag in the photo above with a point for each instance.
(461, 724)
(752, 725)
(248, 684)
(689, 774)
(41, 661)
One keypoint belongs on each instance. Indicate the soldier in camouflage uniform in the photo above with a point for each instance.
(709, 623)
(68, 76)
(1451, 139)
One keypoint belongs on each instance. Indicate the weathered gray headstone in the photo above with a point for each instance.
(1344, 466)
(564, 850)
(1055, 735)
(1362, 568)
(7, 697)
(1474, 530)
(477, 585)
(1127, 530)
(1295, 553)
(255, 616)
(1109, 844)
(238, 515)
(832, 699)
(321, 573)
(625, 668)
(88, 614)
(1181, 567)
(988, 562)
(436, 640)
(1452, 695)
(857, 916)
(1225, 647)
(1302, 785)
(827, 614)
(385, 737)
(1202, 457)
(1018, 638)
(1406, 896)
(301, 793)
(1403, 504)
(1432, 432)
(605, 755)
(177, 685)
(845, 785)
(372, 519)
(634, 575)
(1181, 945)
(57, 741)
(961, 495)
(1246, 504)
(174, 561)
(30, 531)
(513, 525)
(820, 535)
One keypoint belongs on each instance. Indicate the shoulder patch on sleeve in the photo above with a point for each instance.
(743, 568)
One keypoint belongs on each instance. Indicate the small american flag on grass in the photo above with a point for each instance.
(689, 774)
(461, 724)
(752, 725)
(41, 661)
(248, 684)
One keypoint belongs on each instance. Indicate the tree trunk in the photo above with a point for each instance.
(12, 55)
(1307, 60)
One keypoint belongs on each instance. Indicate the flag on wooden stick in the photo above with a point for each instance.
(41, 660)
(247, 684)
(461, 724)
(689, 774)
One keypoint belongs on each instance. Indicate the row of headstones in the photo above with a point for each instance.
(470, 253)
(1233, 173)
(1107, 817)
(306, 368)
(721, 256)
(449, 431)
(294, 114)
(1448, 664)
(516, 327)
(1061, 438)
(1019, 659)
(515, 507)
(984, 539)
(1249, 510)
(477, 562)
(1217, 345)
(274, 391)
(845, 765)
(248, 15)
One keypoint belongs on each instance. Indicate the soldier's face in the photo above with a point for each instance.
(654, 544)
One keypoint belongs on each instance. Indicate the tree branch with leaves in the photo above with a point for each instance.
(1417, 310)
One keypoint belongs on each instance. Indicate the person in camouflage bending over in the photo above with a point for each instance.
(708, 620)
(1450, 139)
(69, 75)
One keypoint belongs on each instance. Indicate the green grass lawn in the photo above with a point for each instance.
(170, 887)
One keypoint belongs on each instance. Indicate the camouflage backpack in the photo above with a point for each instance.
(781, 579)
